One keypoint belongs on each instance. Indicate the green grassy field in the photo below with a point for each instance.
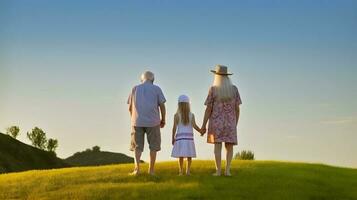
(251, 180)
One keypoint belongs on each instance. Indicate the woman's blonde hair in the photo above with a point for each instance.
(224, 87)
(183, 112)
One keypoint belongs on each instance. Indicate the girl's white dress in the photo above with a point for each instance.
(184, 145)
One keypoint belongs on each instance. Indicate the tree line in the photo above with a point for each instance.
(37, 137)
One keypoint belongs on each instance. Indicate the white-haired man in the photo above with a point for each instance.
(145, 101)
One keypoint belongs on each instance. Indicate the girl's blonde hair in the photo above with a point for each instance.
(224, 87)
(183, 111)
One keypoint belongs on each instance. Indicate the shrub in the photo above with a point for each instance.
(52, 145)
(96, 149)
(13, 131)
(244, 155)
(38, 138)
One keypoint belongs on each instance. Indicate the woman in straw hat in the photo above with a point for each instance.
(222, 112)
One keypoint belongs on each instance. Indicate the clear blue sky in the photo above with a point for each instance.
(68, 66)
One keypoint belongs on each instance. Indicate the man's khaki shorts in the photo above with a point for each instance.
(153, 136)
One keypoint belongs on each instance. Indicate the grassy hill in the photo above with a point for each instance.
(251, 180)
(95, 158)
(17, 156)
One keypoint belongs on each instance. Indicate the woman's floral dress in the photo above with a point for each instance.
(222, 122)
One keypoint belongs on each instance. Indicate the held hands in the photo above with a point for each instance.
(203, 130)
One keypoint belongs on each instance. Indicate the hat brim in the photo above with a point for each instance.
(213, 71)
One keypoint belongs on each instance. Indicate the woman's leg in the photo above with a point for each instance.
(218, 157)
(189, 161)
(229, 156)
(180, 165)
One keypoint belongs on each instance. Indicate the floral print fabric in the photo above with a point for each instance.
(222, 122)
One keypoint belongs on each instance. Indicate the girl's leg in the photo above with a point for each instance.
(229, 156)
(180, 165)
(218, 158)
(189, 161)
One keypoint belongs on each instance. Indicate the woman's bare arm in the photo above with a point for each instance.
(237, 113)
(208, 113)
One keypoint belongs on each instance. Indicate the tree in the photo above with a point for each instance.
(13, 131)
(38, 138)
(96, 149)
(244, 155)
(52, 145)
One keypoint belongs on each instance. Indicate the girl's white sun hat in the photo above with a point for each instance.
(183, 98)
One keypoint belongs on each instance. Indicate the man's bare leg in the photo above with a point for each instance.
(137, 162)
(152, 162)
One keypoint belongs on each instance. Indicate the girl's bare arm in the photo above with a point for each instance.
(194, 125)
(174, 129)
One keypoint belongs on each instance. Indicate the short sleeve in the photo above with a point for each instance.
(210, 98)
(161, 97)
(237, 98)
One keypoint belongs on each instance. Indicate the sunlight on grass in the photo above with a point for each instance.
(252, 180)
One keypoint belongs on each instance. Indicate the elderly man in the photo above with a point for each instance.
(144, 102)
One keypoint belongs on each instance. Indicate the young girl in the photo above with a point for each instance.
(182, 134)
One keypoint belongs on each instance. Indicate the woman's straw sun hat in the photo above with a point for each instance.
(221, 70)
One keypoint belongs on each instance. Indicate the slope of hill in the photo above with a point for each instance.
(17, 156)
(95, 158)
(251, 180)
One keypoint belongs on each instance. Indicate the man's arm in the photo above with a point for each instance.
(130, 110)
(163, 114)
(130, 101)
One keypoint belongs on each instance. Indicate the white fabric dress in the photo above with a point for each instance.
(184, 145)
